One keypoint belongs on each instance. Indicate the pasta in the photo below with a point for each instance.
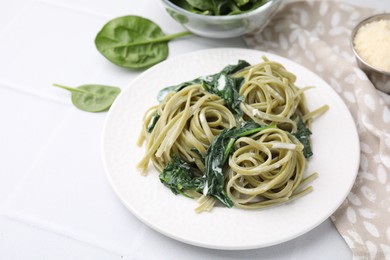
(190, 118)
(239, 137)
(271, 97)
(266, 169)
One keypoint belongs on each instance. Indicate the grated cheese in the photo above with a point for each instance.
(372, 43)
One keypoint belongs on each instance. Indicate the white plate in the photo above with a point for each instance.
(335, 147)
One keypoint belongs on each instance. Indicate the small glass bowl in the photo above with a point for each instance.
(227, 26)
(380, 78)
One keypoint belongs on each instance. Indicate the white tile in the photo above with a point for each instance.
(324, 242)
(103, 8)
(47, 45)
(26, 241)
(26, 124)
(68, 187)
(10, 12)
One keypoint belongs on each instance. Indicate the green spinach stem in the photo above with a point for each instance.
(228, 149)
(155, 40)
(72, 89)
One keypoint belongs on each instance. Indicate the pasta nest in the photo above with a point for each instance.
(189, 120)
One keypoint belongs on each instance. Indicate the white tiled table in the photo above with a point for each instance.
(55, 201)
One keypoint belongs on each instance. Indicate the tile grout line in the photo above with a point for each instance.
(15, 18)
(31, 93)
(60, 231)
(73, 8)
(5, 212)
(38, 157)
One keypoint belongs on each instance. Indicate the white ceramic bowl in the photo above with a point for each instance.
(226, 26)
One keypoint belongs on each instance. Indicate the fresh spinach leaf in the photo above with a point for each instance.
(181, 18)
(216, 156)
(303, 135)
(252, 5)
(134, 42)
(186, 6)
(92, 97)
(241, 2)
(203, 5)
(179, 176)
(208, 7)
(234, 9)
(219, 7)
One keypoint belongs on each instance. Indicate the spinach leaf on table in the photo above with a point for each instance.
(134, 42)
(92, 97)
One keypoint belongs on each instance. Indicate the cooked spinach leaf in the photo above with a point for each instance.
(164, 92)
(228, 89)
(134, 42)
(221, 84)
(303, 135)
(231, 69)
(179, 176)
(200, 156)
(92, 97)
(216, 156)
(153, 122)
